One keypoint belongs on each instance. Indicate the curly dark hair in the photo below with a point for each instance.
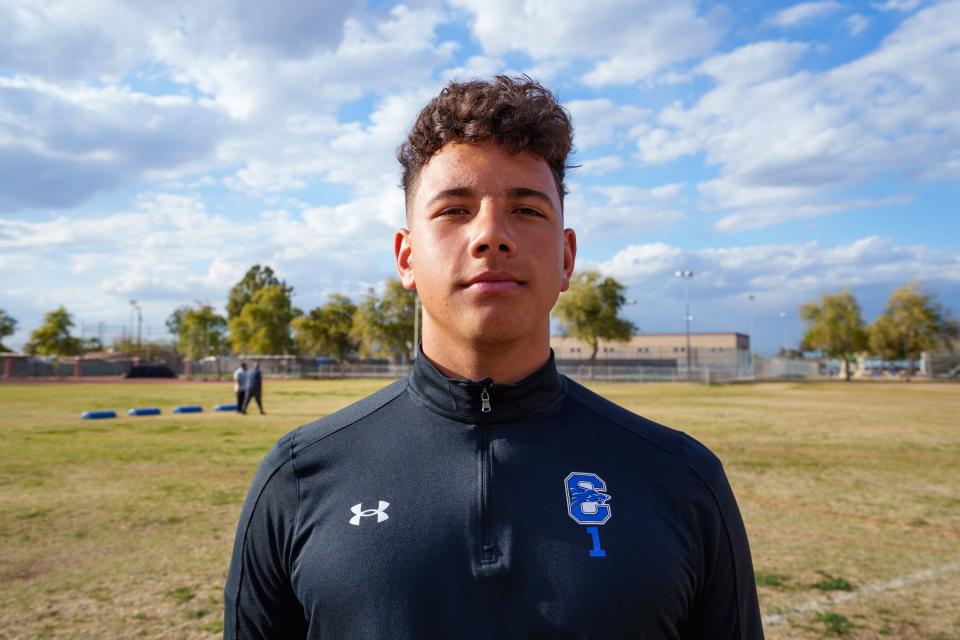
(519, 114)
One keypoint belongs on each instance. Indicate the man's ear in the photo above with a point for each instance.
(403, 252)
(569, 257)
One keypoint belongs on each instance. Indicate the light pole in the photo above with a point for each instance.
(133, 303)
(751, 298)
(686, 276)
(783, 316)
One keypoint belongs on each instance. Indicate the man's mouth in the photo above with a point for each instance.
(493, 282)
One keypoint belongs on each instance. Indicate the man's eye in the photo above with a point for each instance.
(528, 211)
(454, 211)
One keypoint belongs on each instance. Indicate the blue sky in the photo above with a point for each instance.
(154, 151)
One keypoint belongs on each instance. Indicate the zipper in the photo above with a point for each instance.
(488, 548)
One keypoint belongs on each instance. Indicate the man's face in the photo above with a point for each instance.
(486, 248)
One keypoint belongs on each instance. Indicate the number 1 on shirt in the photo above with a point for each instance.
(597, 551)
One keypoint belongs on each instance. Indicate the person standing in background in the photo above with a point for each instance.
(254, 388)
(240, 386)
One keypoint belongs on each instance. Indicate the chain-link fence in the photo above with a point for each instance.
(707, 367)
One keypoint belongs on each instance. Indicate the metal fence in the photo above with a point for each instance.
(779, 368)
(321, 368)
(18, 366)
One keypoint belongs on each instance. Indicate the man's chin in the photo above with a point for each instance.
(497, 328)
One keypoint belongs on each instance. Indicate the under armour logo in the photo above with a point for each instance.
(360, 512)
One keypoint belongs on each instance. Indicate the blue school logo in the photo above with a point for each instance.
(586, 500)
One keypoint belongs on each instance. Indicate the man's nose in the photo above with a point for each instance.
(491, 232)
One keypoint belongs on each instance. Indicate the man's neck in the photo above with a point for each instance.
(505, 362)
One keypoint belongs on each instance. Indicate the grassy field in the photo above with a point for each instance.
(123, 528)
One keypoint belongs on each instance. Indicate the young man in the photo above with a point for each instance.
(240, 387)
(254, 388)
(487, 496)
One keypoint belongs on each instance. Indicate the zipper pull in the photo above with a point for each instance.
(484, 400)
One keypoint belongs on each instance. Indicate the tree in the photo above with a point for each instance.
(201, 332)
(383, 327)
(90, 344)
(175, 320)
(835, 327)
(365, 330)
(326, 330)
(147, 351)
(53, 337)
(263, 326)
(8, 325)
(255, 279)
(589, 311)
(912, 322)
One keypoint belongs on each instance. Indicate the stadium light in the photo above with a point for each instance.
(133, 303)
(783, 316)
(686, 276)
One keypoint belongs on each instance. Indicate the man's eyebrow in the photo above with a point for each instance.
(455, 192)
(512, 192)
(527, 192)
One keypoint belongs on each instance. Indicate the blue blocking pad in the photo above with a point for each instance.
(150, 411)
(188, 409)
(98, 415)
(225, 407)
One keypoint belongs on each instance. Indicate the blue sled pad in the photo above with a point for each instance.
(151, 411)
(188, 409)
(98, 415)
(225, 407)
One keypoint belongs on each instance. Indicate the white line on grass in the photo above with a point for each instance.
(877, 587)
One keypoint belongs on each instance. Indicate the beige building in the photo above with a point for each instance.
(714, 350)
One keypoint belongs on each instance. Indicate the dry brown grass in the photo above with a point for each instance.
(122, 529)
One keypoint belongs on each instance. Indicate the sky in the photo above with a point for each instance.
(153, 151)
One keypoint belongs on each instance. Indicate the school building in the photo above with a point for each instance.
(660, 354)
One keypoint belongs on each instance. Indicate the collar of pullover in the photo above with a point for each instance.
(464, 399)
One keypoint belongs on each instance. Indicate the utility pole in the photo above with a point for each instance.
(751, 298)
(686, 276)
(133, 303)
(783, 316)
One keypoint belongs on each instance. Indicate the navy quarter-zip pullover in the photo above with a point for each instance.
(439, 508)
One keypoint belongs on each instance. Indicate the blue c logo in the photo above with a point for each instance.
(586, 500)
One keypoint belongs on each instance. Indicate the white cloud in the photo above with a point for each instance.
(803, 12)
(639, 261)
(774, 268)
(600, 166)
(793, 142)
(904, 6)
(306, 146)
(270, 88)
(388, 53)
(759, 217)
(59, 146)
(474, 68)
(857, 23)
(298, 114)
(623, 47)
(170, 249)
(610, 211)
(76, 40)
(601, 121)
(753, 63)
